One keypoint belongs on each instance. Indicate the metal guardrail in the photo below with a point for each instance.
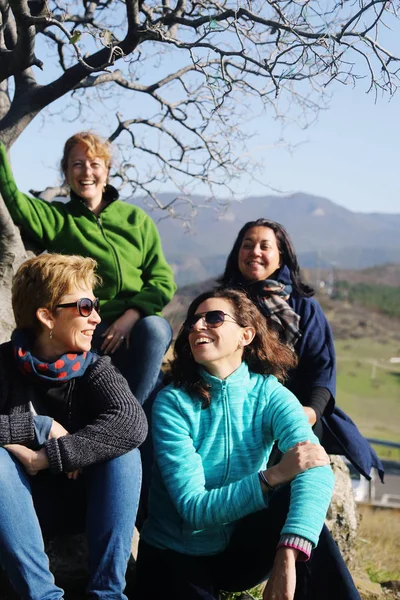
(366, 490)
(384, 443)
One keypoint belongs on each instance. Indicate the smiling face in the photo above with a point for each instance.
(70, 331)
(86, 176)
(219, 350)
(259, 254)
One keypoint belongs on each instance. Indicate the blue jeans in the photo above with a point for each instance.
(141, 364)
(104, 499)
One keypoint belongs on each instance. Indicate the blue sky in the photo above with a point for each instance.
(351, 155)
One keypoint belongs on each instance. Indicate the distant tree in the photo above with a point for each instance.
(384, 298)
(193, 70)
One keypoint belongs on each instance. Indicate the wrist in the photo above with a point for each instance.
(273, 476)
(286, 554)
(40, 461)
(310, 414)
(133, 313)
(265, 484)
(298, 544)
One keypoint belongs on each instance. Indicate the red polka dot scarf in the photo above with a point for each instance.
(65, 367)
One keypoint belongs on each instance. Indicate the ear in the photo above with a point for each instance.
(248, 334)
(45, 317)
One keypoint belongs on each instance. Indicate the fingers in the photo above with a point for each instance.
(113, 340)
(310, 455)
(73, 474)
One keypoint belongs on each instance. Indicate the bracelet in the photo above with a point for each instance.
(265, 481)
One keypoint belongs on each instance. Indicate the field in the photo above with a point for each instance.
(368, 383)
(377, 562)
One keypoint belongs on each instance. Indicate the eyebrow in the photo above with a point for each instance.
(251, 239)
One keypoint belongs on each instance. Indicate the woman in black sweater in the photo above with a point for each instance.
(69, 425)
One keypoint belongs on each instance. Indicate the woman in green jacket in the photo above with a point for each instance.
(122, 238)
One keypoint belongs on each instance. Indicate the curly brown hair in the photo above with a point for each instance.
(265, 354)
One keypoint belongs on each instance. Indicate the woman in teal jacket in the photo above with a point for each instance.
(218, 517)
(137, 281)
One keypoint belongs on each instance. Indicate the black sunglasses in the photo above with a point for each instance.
(213, 319)
(85, 306)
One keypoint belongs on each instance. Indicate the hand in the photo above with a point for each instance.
(33, 460)
(120, 331)
(282, 583)
(57, 431)
(310, 414)
(74, 474)
(303, 456)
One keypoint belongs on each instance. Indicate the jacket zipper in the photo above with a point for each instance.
(69, 403)
(228, 431)
(118, 266)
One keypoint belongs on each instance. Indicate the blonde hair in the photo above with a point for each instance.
(95, 147)
(43, 280)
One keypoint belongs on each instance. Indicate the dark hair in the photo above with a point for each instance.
(265, 354)
(286, 250)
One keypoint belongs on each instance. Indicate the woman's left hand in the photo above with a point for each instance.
(120, 331)
(33, 460)
(282, 583)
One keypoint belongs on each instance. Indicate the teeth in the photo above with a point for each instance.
(202, 340)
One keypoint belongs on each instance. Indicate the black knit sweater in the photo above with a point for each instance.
(103, 418)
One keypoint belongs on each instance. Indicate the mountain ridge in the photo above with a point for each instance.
(324, 233)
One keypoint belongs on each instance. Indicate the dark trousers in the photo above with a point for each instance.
(247, 562)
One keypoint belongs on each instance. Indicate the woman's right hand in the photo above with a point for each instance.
(303, 456)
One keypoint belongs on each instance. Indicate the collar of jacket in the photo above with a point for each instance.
(242, 375)
(110, 194)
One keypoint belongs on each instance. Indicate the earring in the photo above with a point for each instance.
(51, 334)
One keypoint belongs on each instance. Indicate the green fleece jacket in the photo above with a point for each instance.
(123, 240)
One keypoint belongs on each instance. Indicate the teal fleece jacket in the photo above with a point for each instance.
(207, 463)
(123, 240)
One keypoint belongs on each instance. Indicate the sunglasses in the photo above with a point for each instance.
(85, 306)
(212, 318)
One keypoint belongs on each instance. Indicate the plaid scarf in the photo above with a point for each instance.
(271, 297)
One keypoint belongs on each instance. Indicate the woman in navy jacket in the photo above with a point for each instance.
(263, 262)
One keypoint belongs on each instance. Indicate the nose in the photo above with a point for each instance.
(94, 317)
(200, 324)
(256, 250)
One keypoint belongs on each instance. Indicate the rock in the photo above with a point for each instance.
(368, 589)
(342, 519)
(392, 584)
